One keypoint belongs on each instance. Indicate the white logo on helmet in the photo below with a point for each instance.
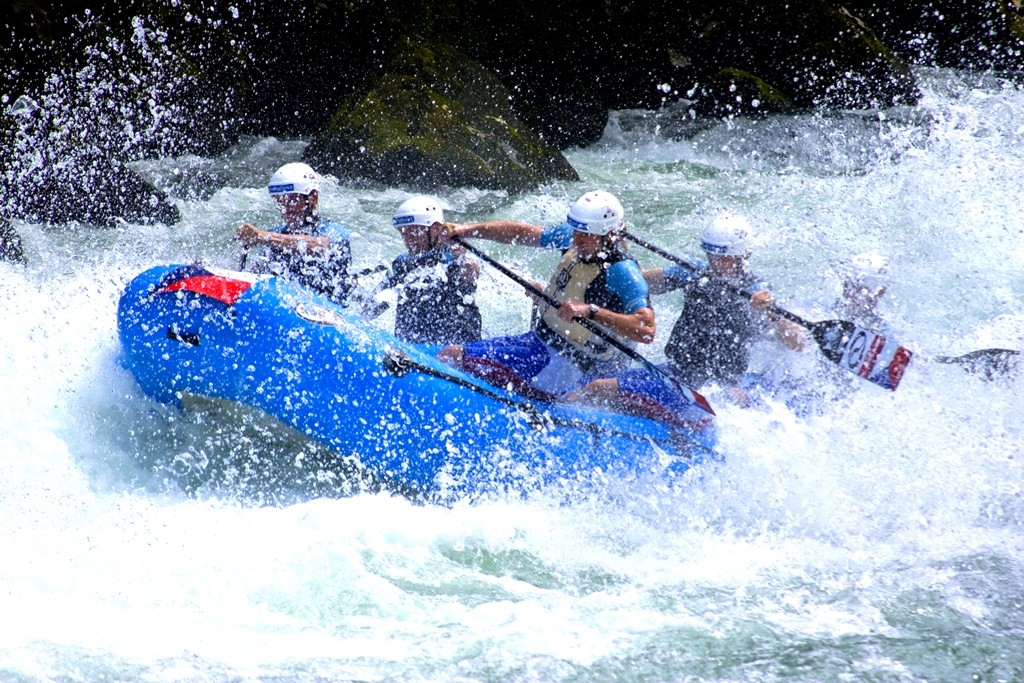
(728, 235)
(596, 213)
(419, 210)
(294, 178)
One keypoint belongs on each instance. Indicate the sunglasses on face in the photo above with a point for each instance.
(290, 199)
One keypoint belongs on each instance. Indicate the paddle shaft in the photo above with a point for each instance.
(598, 331)
(533, 289)
(398, 363)
(739, 291)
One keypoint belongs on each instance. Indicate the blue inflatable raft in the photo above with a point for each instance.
(406, 417)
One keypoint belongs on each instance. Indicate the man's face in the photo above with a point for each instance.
(419, 238)
(587, 245)
(294, 206)
(725, 266)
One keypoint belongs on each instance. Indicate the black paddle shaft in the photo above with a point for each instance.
(831, 335)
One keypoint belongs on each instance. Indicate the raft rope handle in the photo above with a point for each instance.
(399, 364)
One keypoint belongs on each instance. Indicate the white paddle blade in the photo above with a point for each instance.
(871, 356)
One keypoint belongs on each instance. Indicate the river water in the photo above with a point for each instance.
(877, 537)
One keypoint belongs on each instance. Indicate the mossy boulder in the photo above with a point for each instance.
(435, 118)
(731, 91)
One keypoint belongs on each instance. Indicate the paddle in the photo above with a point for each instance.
(985, 362)
(867, 354)
(691, 396)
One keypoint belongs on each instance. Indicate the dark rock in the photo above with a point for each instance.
(134, 79)
(748, 57)
(28, 44)
(731, 92)
(554, 59)
(145, 77)
(11, 248)
(435, 118)
(45, 177)
(304, 58)
(567, 64)
(283, 68)
(100, 192)
(120, 89)
(966, 34)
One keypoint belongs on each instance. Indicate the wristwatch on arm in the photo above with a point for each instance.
(592, 311)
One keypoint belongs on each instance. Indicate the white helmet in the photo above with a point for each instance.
(418, 210)
(728, 235)
(291, 178)
(867, 270)
(597, 213)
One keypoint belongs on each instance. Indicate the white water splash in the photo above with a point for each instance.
(866, 540)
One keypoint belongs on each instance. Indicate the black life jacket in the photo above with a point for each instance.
(711, 339)
(436, 301)
(323, 272)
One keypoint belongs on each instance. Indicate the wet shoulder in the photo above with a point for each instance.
(557, 236)
(334, 230)
(626, 281)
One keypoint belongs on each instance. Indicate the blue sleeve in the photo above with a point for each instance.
(754, 287)
(677, 276)
(335, 231)
(627, 282)
(557, 237)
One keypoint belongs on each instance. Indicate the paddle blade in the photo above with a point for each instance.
(987, 363)
(694, 398)
(867, 354)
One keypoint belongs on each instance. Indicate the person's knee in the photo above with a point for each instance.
(607, 387)
(453, 354)
(598, 390)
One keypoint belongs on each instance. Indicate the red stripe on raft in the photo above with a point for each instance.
(703, 403)
(223, 289)
(644, 406)
(499, 375)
